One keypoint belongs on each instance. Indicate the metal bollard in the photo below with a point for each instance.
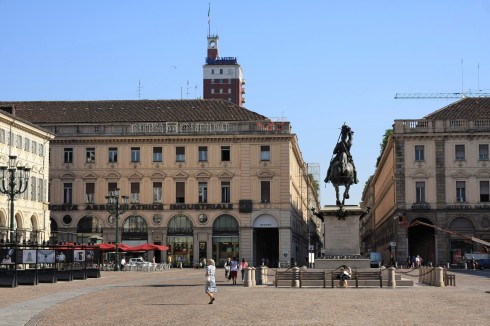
(391, 277)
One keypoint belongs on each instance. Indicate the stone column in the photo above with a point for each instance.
(439, 277)
(391, 277)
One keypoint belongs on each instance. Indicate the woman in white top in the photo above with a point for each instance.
(210, 287)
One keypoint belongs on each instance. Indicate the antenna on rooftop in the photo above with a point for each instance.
(139, 89)
(187, 92)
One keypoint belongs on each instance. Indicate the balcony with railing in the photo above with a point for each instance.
(441, 126)
(172, 128)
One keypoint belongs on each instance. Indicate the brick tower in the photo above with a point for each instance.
(222, 76)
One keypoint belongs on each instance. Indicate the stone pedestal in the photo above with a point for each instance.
(342, 244)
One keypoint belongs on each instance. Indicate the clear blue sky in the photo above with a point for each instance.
(316, 63)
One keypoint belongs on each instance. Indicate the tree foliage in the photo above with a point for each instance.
(384, 142)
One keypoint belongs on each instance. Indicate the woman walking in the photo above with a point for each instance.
(243, 268)
(234, 269)
(210, 288)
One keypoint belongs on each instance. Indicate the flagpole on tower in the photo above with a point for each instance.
(209, 19)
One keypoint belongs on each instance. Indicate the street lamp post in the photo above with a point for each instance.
(116, 209)
(14, 183)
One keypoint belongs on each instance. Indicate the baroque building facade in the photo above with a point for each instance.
(208, 178)
(436, 171)
(29, 144)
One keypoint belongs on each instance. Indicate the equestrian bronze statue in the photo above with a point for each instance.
(342, 171)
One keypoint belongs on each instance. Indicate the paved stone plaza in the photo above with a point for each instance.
(177, 297)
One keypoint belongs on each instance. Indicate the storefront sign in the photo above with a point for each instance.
(200, 206)
(142, 207)
(467, 207)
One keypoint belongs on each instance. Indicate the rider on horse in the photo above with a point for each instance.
(343, 147)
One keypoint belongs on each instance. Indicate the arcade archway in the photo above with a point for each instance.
(421, 241)
(266, 240)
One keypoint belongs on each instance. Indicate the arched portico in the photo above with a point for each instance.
(266, 240)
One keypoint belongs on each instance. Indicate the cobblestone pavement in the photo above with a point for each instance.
(177, 297)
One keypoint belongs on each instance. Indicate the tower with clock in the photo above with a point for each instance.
(222, 76)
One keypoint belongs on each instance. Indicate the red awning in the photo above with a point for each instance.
(147, 247)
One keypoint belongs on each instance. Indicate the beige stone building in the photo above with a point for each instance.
(435, 170)
(206, 177)
(28, 145)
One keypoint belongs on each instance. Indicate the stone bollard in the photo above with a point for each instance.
(295, 283)
(439, 277)
(263, 275)
(259, 272)
(391, 277)
(421, 276)
(254, 282)
(248, 277)
(432, 276)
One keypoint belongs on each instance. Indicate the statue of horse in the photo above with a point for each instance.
(342, 173)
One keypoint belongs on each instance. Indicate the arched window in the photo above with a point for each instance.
(225, 224)
(89, 224)
(179, 224)
(134, 224)
(54, 225)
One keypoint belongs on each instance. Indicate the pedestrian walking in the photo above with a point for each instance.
(234, 269)
(243, 268)
(227, 268)
(210, 287)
